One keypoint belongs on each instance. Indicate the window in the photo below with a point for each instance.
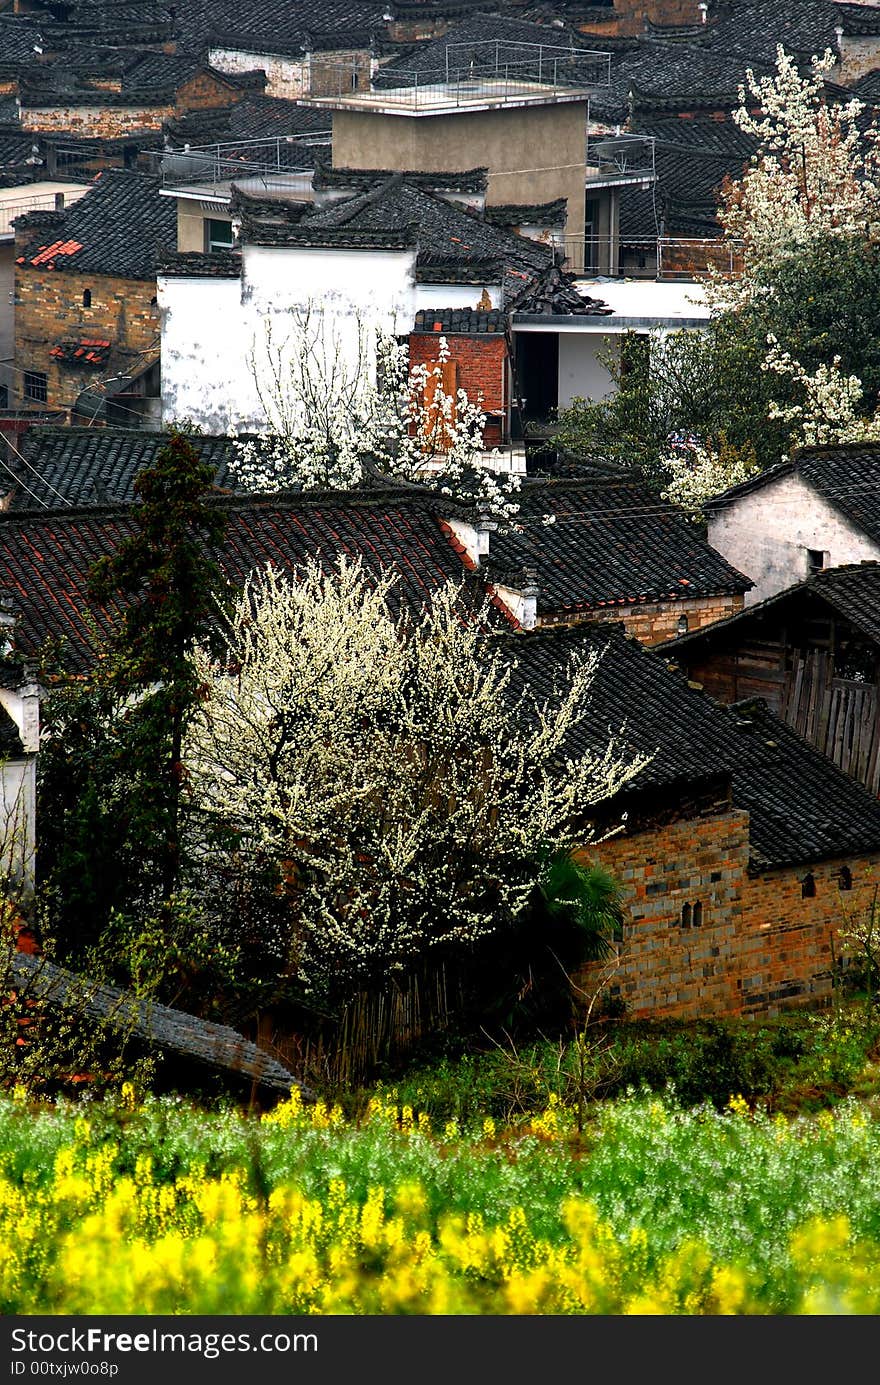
(844, 878)
(685, 916)
(697, 915)
(808, 887)
(218, 235)
(87, 298)
(35, 386)
(815, 561)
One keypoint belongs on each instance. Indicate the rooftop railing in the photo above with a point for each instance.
(654, 257)
(493, 73)
(40, 202)
(271, 164)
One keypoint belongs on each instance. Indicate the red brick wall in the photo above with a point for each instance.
(760, 948)
(481, 360)
(49, 308)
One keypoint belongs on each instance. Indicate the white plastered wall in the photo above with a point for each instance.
(215, 332)
(767, 533)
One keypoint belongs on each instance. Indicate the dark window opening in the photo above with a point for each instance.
(808, 887)
(35, 382)
(815, 561)
(218, 235)
(686, 915)
(698, 914)
(87, 298)
(844, 879)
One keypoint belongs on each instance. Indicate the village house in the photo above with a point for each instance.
(812, 652)
(729, 906)
(818, 509)
(86, 321)
(599, 548)
(295, 47)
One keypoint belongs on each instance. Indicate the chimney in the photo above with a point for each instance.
(529, 592)
(8, 622)
(474, 537)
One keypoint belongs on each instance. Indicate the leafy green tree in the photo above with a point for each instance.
(110, 777)
(168, 580)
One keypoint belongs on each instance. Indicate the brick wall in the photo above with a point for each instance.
(759, 948)
(631, 16)
(481, 361)
(203, 92)
(653, 622)
(49, 309)
(104, 122)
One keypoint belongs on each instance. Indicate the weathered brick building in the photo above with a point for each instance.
(813, 653)
(743, 851)
(85, 290)
(600, 548)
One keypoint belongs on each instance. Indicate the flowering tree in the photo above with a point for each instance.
(815, 171)
(791, 354)
(339, 398)
(406, 792)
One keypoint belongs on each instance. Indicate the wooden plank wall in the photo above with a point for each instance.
(837, 715)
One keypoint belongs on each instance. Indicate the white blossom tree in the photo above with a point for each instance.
(389, 767)
(339, 397)
(816, 171)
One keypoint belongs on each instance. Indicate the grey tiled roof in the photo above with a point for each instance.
(276, 26)
(94, 466)
(430, 57)
(19, 36)
(46, 556)
(610, 544)
(362, 179)
(255, 116)
(447, 235)
(117, 228)
(801, 807)
(460, 321)
(846, 475)
(690, 738)
(851, 591)
(171, 1030)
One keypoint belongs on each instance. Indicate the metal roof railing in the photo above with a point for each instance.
(493, 72)
(651, 257)
(269, 163)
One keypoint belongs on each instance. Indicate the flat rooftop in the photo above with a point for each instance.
(474, 76)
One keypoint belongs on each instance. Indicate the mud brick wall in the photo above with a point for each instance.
(203, 93)
(653, 622)
(760, 946)
(481, 361)
(49, 309)
(797, 931)
(632, 16)
(667, 969)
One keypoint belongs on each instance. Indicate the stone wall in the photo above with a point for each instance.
(49, 309)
